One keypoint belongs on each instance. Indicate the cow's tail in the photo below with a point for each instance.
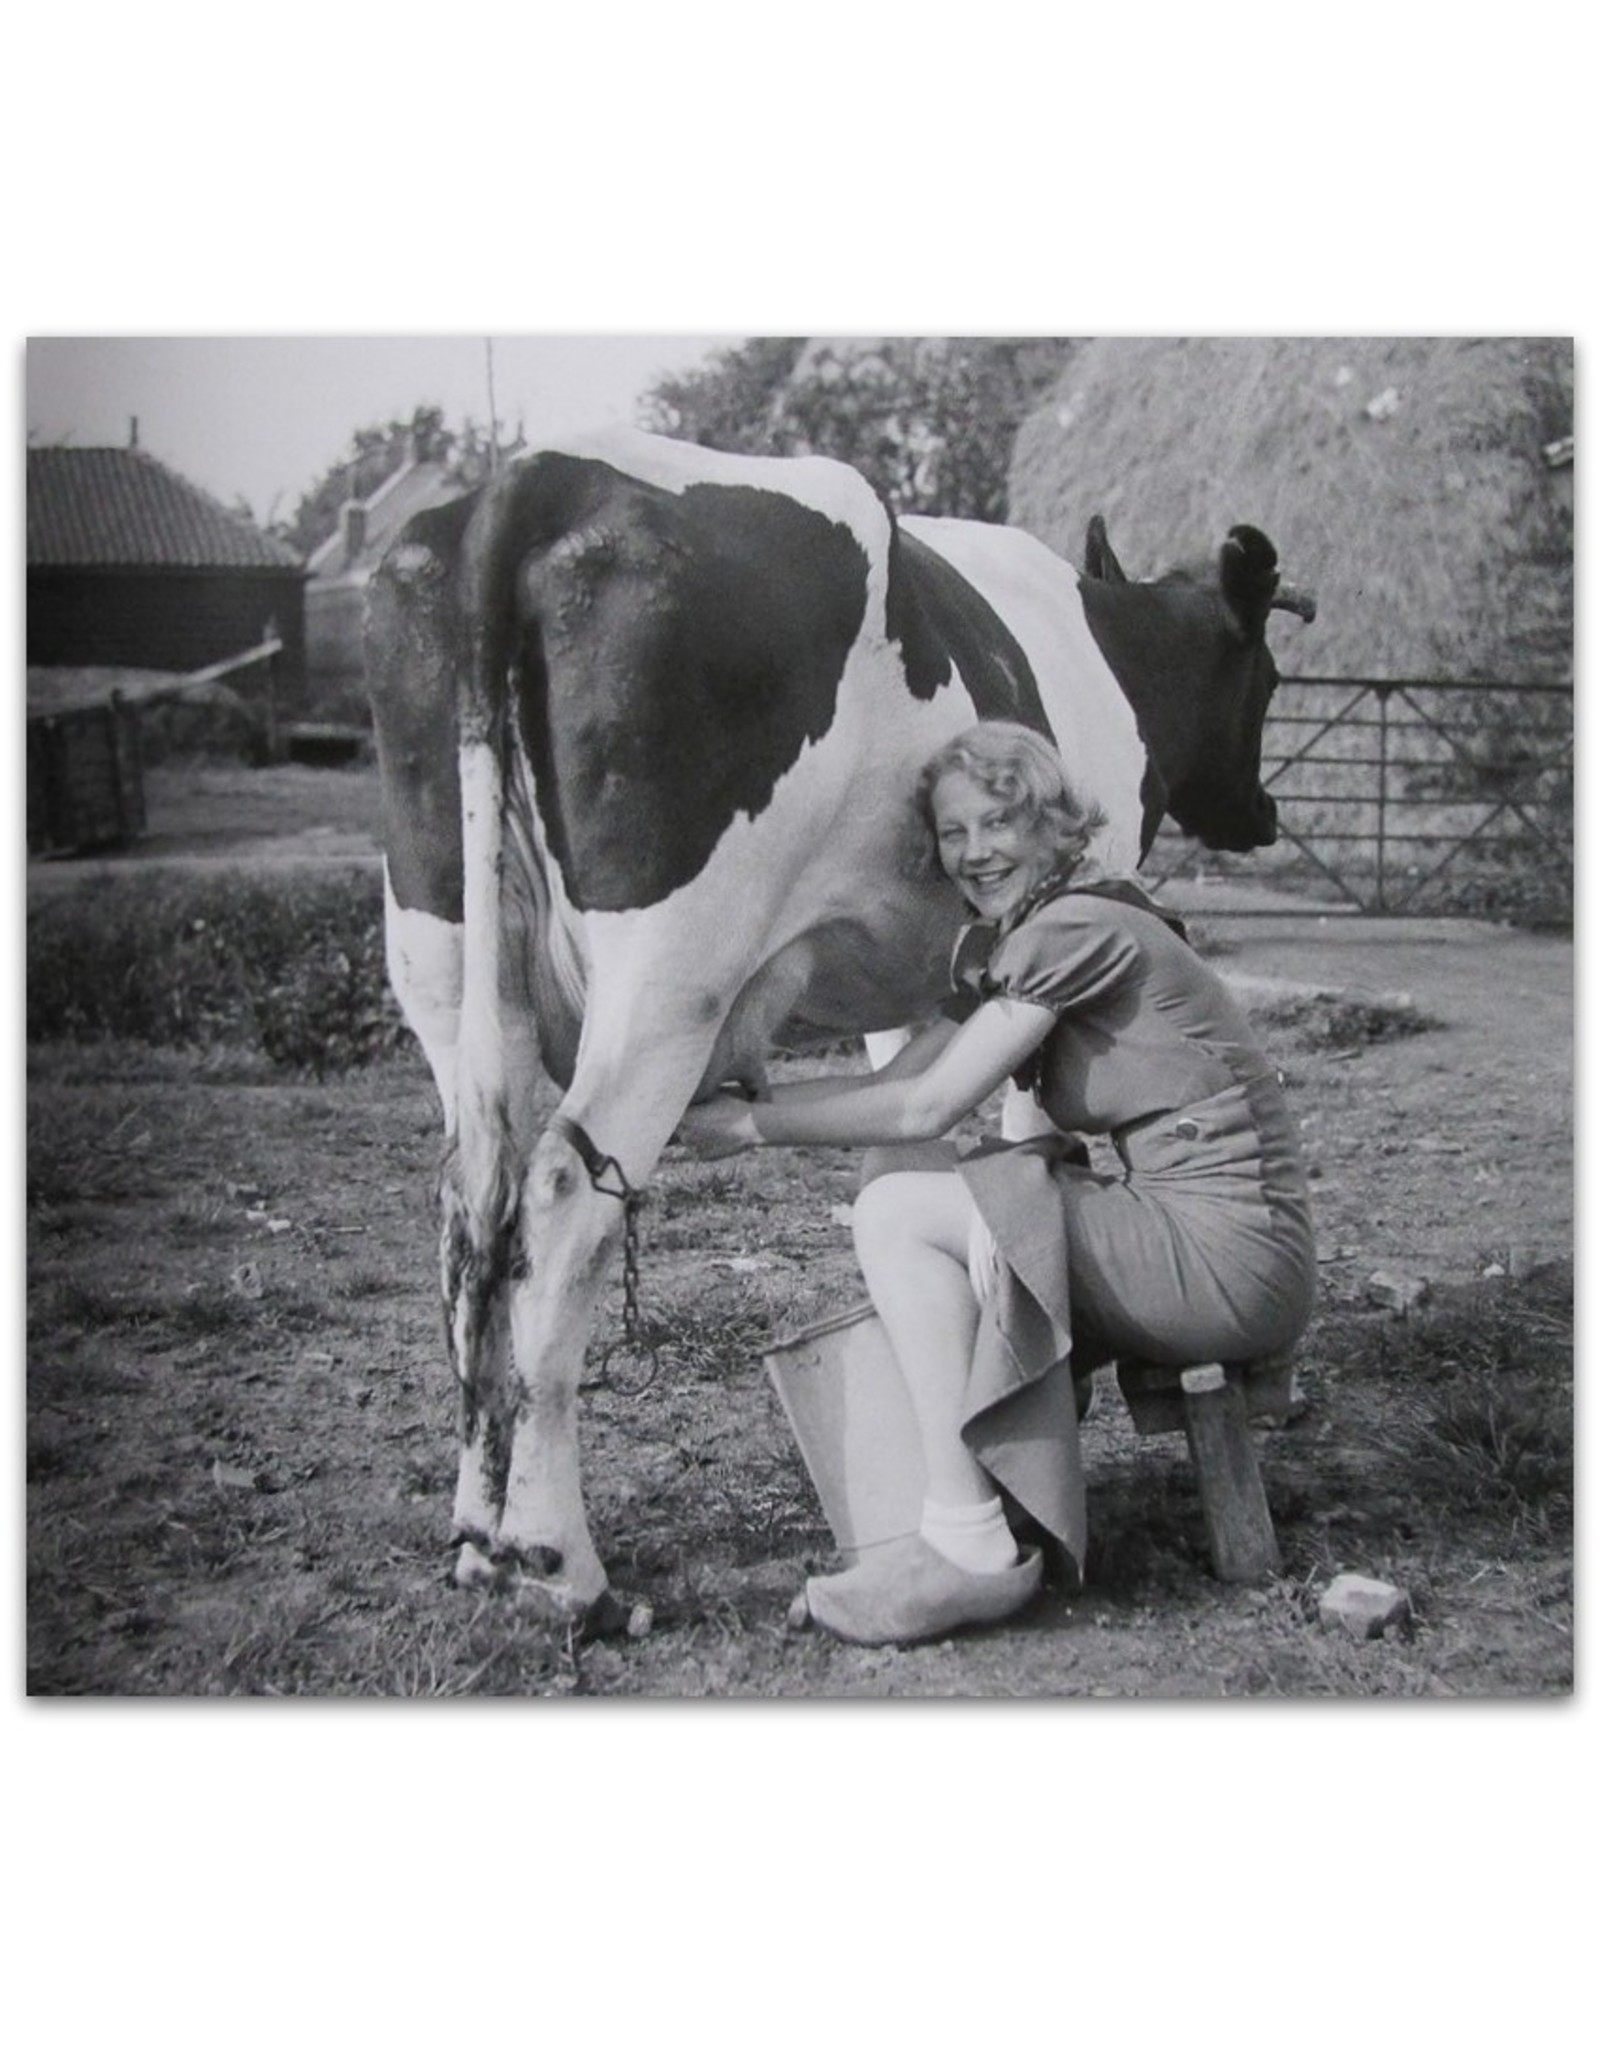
(518, 1009)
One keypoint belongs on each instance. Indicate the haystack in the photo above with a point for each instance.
(1414, 484)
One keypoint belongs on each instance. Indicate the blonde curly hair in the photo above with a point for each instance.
(1023, 770)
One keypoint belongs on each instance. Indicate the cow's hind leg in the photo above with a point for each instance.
(482, 1256)
(476, 1256)
(424, 953)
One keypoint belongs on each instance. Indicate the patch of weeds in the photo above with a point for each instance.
(284, 1644)
(405, 1656)
(214, 1312)
(74, 1158)
(363, 1285)
(55, 1453)
(767, 1506)
(698, 1190)
(1480, 1396)
(705, 1342)
(191, 1228)
(211, 1313)
(69, 1304)
(1496, 1445)
(502, 1649)
(53, 1223)
(58, 1380)
(1329, 1020)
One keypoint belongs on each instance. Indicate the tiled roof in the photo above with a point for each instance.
(118, 508)
(417, 487)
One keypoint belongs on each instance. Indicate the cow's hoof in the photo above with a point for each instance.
(799, 1615)
(473, 1570)
(544, 1584)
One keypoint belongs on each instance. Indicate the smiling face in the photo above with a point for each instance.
(994, 851)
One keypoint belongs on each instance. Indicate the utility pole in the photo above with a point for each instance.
(494, 424)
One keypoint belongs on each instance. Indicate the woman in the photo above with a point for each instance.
(989, 1278)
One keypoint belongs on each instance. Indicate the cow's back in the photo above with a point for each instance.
(1078, 697)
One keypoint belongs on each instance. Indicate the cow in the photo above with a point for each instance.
(648, 719)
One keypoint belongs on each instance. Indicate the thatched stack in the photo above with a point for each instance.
(1406, 481)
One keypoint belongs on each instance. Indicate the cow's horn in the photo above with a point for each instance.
(1286, 598)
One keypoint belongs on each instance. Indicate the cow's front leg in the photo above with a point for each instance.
(643, 1065)
(568, 1230)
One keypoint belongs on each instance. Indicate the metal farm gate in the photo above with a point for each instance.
(1411, 799)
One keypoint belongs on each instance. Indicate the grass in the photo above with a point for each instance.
(236, 1494)
(240, 1454)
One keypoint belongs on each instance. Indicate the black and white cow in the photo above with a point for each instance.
(648, 720)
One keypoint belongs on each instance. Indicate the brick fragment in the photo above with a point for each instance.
(1363, 1607)
(1397, 1291)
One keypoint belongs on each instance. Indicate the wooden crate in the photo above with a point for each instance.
(85, 782)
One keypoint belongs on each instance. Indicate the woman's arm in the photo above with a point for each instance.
(913, 1097)
(910, 1059)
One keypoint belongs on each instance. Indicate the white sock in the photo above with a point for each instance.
(978, 1539)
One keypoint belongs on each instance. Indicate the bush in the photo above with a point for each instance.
(289, 964)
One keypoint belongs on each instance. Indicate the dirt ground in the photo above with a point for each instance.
(239, 1422)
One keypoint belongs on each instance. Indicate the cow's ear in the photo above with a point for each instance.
(1249, 567)
(1100, 565)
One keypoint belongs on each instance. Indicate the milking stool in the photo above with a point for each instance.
(1214, 1406)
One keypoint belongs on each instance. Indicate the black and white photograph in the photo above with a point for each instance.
(792, 1018)
(798, 1092)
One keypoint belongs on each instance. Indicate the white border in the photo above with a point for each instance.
(928, 1870)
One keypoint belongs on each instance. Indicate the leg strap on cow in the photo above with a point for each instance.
(638, 1339)
(597, 1164)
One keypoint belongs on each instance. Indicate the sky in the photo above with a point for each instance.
(262, 418)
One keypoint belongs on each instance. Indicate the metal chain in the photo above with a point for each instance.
(636, 1340)
(636, 1337)
(630, 1266)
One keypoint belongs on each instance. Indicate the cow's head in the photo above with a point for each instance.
(1191, 653)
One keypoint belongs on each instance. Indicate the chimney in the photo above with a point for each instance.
(353, 529)
(133, 431)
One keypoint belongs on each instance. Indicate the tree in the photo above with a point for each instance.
(930, 422)
(376, 452)
(733, 403)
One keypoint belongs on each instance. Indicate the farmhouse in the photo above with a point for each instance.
(1418, 485)
(130, 566)
(340, 570)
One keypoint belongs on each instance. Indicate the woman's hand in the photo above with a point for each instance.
(719, 1128)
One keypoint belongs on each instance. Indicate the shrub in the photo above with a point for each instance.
(290, 963)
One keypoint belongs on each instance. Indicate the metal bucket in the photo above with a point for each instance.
(851, 1417)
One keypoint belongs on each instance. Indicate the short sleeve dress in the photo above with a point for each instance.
(1198, 1246)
